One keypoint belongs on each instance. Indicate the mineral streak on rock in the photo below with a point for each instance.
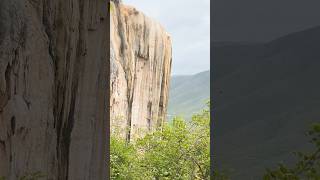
(140, 72)
(53, 83)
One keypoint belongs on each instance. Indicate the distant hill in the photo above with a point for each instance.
(266, 96)
(188, 94)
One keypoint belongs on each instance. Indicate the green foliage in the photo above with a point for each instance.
(308, 166)
(179, 150)
(111, 6)
(123, 159)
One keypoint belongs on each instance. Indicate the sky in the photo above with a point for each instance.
(188, 23)
(262, 20)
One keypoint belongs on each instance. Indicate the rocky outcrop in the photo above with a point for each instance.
(53, 84)
(140, 71)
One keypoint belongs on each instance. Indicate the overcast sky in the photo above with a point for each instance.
(188, 23)
(262, 20)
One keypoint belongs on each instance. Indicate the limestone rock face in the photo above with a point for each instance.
(140, 71)
(116, 1)
(53, 83)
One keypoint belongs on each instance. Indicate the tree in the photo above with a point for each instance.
(179, 150)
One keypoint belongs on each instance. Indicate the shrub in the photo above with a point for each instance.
(179, 150)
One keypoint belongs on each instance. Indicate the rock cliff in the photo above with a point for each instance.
(53, 84)
(54, 81)
(140, 71)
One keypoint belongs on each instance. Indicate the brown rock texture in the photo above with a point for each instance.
(140, 71)
(53, 84)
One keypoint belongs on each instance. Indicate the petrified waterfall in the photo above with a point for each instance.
(53, 84)
(140, 71)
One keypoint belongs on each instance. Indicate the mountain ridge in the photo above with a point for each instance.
(188, 94)
(266, 96)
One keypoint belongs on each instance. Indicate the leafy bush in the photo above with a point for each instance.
(179, 150)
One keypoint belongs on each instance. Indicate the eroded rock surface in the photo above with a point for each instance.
(140, 71)
(53, 83)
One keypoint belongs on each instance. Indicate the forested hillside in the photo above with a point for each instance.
(188, 94)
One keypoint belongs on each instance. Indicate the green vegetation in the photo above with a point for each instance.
(308, 166)
(111, 6)
(179, 150)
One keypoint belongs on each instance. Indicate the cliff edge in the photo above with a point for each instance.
(140, 71)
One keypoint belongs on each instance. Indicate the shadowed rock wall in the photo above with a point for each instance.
(53, 84)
